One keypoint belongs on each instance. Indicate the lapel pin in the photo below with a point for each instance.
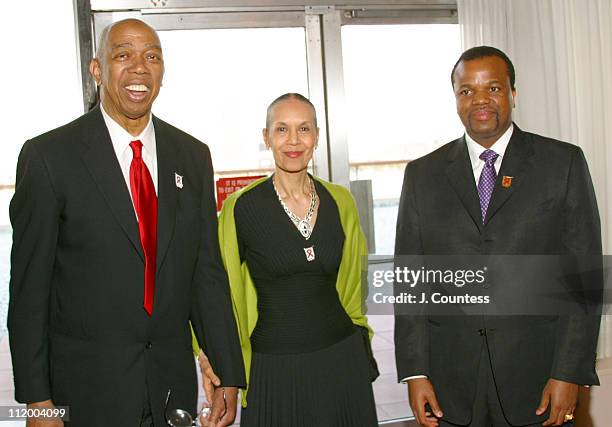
(310, 254)
(178, 179)
(507, 181)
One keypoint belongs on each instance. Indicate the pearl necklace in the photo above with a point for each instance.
(303, 225)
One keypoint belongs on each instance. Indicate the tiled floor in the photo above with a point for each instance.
(391, 397)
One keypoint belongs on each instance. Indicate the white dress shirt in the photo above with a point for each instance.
(474, 151)
(121, 143)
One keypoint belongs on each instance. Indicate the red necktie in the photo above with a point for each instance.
(145, 202)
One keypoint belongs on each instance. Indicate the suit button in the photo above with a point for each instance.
(149, 345)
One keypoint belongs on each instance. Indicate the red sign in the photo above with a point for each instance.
(226, 186)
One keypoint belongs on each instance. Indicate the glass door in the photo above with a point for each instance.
(382, 93)
(400, 106)
(219, 82)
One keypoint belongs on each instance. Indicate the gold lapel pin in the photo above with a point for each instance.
(507, 181)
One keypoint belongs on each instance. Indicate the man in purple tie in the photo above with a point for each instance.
(496, 191)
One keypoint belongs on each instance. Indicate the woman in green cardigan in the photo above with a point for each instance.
(296, 255)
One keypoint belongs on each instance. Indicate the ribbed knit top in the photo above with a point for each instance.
(297, 302)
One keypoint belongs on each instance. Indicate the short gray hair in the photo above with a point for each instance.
(102, 45)
(287, 96)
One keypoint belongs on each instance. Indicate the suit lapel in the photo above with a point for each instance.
(515, 163)
(167, 190)
(461, 178)
(101, 160)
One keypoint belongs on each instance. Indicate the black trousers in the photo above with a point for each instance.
(487, 410)
(146, 419)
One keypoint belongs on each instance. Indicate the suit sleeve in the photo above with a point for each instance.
(212, 316)
(35, 220)
(577, 338)
(411, 336)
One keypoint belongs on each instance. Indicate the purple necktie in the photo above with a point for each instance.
(487, 180)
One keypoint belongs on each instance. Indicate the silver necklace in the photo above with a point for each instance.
(303, 225)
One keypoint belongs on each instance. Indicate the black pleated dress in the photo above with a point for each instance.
(310, 367)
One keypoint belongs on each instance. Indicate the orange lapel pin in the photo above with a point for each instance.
(507, 181)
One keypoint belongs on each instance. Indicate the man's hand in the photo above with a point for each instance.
(223, 412)
(43, 422)
(562, 398)
(421, 392)
(209, 379)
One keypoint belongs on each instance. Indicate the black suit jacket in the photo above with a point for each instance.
(78, 332)
(549, 209)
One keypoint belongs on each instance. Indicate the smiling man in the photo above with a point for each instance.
(115, 253)
(496, 191)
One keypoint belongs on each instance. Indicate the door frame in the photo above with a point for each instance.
(322, 22)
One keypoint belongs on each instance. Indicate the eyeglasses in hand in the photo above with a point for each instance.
(177, 417)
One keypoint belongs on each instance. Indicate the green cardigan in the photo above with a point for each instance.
(351, 289)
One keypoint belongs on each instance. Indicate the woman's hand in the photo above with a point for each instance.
(210, 380)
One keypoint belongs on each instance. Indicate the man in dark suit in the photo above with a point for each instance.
(115, 254)
(496, 191)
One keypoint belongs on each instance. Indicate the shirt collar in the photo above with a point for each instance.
(121, 138)
(500, 146)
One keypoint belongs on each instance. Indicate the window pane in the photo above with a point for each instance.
(41, 90)
(400, 106)
(218, 84)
